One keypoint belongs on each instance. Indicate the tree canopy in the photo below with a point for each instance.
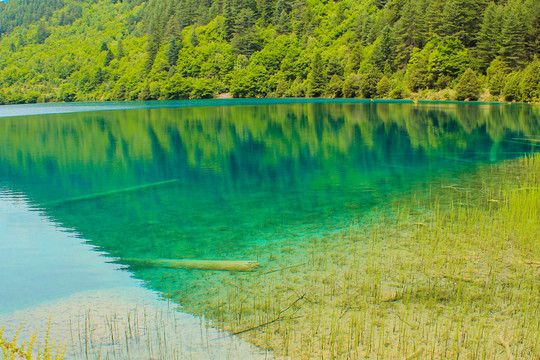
(82, 50)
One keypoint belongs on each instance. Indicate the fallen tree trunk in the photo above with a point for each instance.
(223, 265)
(109, 193)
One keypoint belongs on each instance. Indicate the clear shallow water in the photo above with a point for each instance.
(220, 181)
(40, 260)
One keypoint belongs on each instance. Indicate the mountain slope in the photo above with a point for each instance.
(173, 49)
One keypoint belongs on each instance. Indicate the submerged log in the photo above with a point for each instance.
(223, 265)
(110, 193)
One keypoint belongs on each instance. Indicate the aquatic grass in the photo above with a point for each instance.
(440, 272)
(106, 331)
(444, 271)
(30, 349)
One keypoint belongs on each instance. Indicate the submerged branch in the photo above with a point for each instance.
(278, 318)
(109, 193)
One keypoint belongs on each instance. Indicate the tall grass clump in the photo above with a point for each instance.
(30, 350)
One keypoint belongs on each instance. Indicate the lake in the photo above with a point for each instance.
(83, 187)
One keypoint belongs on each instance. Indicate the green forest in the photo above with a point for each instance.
(113, 50)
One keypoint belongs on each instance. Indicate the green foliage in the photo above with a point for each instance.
(108, 58)
(447, 60)
(351, 86)
(316, 78)
(461, 20)
(42, 33)
(67, 93)
(496, 74)
(335, 87)
(417, 72)
(397, 90)
(468, 86)
(512, 91)
(297, 89)
(175, 89)
(383, 87)
(530, 82)
(172, 52)
(79, 50)
(250, 82)
(368, 83)
(202, 89)
(512, 47)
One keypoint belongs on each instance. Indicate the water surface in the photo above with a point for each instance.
(218, 181)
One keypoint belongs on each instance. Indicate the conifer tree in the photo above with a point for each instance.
(62, 20)
(316, 78)
(380, 3)
(281, 6)
(282, 25)
(194, 38)
(42, 33)
(334, 87)
(99, 77)
(513, 37)
(120, 93)
(418, 70)
(496, 74)
(172, 52)
(243, 37)
(355, 59)
(229, 21)
(511, 89)
(532, 27)
(368, 83)
(489, 36)
(530, 82)
(144, 94)
(152, 47)
(351, 86)
(265, 8)
(108, 58)
(383, 87)
(433, 16)
(385, 49)
(410, 31)
(469, 86)
(120, 49)
(461, 19)
(334, 67)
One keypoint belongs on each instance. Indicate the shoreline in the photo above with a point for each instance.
(124, 322)
(52, 108)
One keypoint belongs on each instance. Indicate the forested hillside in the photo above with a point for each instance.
(81, 50)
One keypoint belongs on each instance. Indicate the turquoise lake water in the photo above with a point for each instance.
(214, 179)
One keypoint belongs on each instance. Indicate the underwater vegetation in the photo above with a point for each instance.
(443, 271)
(449, 271)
